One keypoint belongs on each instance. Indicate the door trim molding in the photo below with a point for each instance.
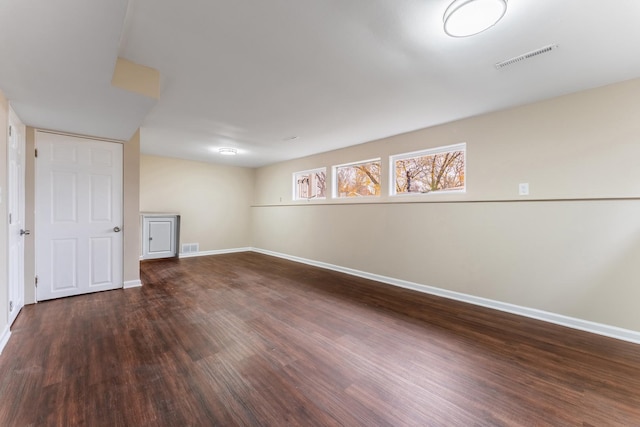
(76, 135)
(4, 338)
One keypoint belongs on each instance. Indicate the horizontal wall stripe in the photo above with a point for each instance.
(4, 338)
(423, 202)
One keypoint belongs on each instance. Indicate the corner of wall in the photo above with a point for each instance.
(131, 207)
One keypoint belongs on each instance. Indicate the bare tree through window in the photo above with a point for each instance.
(358, 179)
(440, 169)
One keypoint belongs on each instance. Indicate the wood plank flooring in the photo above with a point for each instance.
(250, 340)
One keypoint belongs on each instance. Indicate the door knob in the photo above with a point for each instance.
(116, 229)
(25, 232)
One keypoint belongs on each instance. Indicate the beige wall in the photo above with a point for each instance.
(131, 208)
(213, 201)
(4, 290)
(577, 258)
(136, 78)
(576, 146)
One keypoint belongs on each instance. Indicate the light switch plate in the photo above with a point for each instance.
(523, 189)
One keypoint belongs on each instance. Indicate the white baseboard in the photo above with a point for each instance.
(558, 319)
(132, 284)
(4, 338)
(216, 252)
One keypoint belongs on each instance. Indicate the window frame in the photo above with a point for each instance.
(462, 146)
(334, 178)
(294, 185)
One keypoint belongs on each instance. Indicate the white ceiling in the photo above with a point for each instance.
(252, 74)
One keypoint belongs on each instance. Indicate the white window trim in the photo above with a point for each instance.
(295, 184)
(421, 153)
(334, 177)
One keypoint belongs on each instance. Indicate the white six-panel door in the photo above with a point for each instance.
(78, 216)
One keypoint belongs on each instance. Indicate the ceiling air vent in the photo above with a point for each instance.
(527, 55)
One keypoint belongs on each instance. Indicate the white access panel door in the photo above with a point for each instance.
(78, 216)
(159, 237)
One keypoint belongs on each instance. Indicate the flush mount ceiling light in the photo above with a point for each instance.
(465, 18)
(228, 151)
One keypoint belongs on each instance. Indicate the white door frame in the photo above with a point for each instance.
(16, 215)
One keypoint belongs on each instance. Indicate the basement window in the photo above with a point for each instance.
(440, 169)
(309, 184)
(360, 179)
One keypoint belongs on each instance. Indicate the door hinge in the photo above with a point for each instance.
(9, 218)
(10, 130)
(36, 152)
(36, 281)
(10, 306)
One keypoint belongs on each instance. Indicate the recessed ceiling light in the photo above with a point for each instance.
(228, 151)
(465, 18)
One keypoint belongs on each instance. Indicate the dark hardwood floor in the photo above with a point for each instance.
(247, 339)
